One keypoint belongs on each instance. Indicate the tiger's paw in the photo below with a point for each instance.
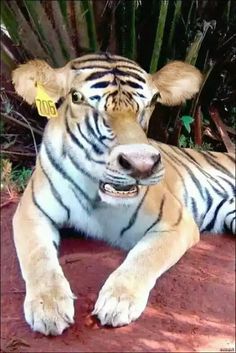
(49, 311)
(118, 305)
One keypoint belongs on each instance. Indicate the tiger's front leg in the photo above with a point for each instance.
(48, 305)
(124, 295)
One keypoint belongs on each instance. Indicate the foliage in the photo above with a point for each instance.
(150, 32)
(187, 121)
(13, 179)
(20, 177)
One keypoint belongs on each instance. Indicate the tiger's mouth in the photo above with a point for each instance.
(116, 190)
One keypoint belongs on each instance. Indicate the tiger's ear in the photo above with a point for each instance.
(54, 81)
(177, 81)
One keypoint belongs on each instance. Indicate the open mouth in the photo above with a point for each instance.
(119, 190)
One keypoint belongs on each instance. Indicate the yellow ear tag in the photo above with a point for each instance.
(45, 105)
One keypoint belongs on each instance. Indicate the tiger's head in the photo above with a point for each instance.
(108, 102)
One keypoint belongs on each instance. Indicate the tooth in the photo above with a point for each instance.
(109, 188)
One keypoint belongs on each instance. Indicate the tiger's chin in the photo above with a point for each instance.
(119, 194)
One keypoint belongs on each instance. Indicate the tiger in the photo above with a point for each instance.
(98, 172)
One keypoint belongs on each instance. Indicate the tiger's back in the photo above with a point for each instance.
(204, 181)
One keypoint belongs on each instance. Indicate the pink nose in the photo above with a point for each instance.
(139, 166)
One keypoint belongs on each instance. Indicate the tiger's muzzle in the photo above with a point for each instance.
(129, 167)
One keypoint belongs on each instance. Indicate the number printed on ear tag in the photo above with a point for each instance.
(45, 105)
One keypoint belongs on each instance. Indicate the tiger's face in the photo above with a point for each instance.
(108, 103)
(110, 108)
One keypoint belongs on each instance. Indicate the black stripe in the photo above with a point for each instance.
(179, 174)
(85, 208)
(101, 84)
(139, 94)
(210, 225)
(134, 215)
(201, 169)
(159, 217)
(54, 224)
(104, 59)
(133, 84)
(216, 165)
(231, 158)
(229, 213)
(232, 186)
(193, 177)
(80, 169)
(128, 95)
(108, 67)
(95, 119)
(91, 67)
(128, 73)
(231, 224)
(210, 154)
(95, 97)
(55, 245)
(60, 170)
(74, 138)
(79, 144)
(95, 148)
(97, 74)
(190, 157)
(204, 173)
(194, 208)
(54, 191)
(179, 218)
(209, 200)
(106, 125)
(91, 131)
(125, 67)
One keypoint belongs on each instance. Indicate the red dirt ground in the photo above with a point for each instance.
(192, 307)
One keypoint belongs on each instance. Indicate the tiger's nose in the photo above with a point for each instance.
(141, 165)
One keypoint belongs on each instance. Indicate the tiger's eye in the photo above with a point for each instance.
(77, 97)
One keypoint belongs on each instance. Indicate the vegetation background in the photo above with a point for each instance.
(153, 32)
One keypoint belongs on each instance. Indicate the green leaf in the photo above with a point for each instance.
(182, 141)
(187, 121)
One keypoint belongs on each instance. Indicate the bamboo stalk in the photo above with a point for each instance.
(159, 36)
(131, 53)
(176, 17)
(88, 8)
(28, 37)
(126, 28)
(189, 16)
(47, 35)
(83, 35)
(8, 18)
(61, 29)
(193, 51)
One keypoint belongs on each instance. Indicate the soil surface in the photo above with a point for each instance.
(191, 308)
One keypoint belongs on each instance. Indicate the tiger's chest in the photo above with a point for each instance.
(119, 226)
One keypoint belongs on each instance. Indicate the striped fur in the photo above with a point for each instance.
(99, 141)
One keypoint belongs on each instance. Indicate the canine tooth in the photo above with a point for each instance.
(109, 188)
